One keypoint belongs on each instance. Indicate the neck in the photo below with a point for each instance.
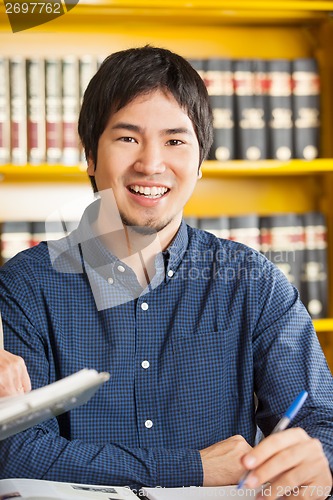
(136, 249)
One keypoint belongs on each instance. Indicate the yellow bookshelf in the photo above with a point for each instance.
(204, 28)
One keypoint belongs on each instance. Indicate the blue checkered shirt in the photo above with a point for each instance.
(186, 357)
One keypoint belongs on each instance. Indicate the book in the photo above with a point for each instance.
(250, 115)
(70, 110)
(219, 226)
(283, 243)
(33, 489)
(220, 87)
(5, 151)
(53, 110)
(35, 110)
(20, 412)
(245, 229)
(314, 272)
(87, 69)
(15, 237)
(199, 65)
(18, 110)
(306, 107)
(280, 112)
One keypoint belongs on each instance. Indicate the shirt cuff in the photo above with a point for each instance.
(179, 468)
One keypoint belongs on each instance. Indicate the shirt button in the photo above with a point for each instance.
(148, 424)
(144, 306)
(145, 364)
(110, 281)
(121, 269)
(170, 273)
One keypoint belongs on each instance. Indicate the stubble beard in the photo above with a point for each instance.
(151, 226)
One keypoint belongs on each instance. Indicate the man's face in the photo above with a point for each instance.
(149, 155)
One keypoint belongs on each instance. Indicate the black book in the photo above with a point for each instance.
(219, 83)
(199, 65)
(283, 243)
(306, 106)
(219, 226)
(245, 229)
(314, 276)
(250, 112)
(280, 112)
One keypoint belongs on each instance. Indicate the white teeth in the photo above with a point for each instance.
(149, 192)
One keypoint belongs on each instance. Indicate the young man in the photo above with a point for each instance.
(189, 326)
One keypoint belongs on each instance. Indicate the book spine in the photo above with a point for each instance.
(220, 87)
(306, 105)
(245, 229)
(283, 243)
(53, 86)
(70, 110)
(87, 69)
(36, 111)
(280, 112)
(219, 226)
(18, 110)
(5, 152)
(200, 67)
(314, 275)
(15, 237)
(249, 112)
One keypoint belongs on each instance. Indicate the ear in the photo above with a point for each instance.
(91, 166)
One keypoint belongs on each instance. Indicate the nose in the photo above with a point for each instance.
(150, 160)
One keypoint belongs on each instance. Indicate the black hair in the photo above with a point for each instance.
(125, 75)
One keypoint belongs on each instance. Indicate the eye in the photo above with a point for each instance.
(175, 142)
(127, 139)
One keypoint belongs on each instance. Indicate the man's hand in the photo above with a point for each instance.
(221, 461)
(293, 463)
(14, 378)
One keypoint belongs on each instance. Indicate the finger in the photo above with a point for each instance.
(283, 461)
(272, 445)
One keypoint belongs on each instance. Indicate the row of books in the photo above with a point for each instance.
(296, 243)
(16, 236)
(39, 107)
(263, 108)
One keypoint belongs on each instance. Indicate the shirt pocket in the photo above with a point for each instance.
(200, 364)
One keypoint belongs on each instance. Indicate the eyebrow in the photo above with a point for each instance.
(138, 129)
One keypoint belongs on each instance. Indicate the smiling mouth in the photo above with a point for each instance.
(153, 192)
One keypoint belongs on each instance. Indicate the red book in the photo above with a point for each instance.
(280, 112)
(53, 101)
(306, 105)
(36, 111)
(18, 110)
(70, 110)
(4, 112)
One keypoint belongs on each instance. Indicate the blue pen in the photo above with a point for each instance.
(292, 411)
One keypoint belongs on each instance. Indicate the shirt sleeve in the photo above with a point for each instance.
(288, 359)
(43, 453)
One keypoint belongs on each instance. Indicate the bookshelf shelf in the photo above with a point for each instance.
(99, 15)
(323, 325)
(215, 169)
(268, 168)
(42, 173)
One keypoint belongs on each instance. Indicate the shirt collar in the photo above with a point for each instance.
(99, 257)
